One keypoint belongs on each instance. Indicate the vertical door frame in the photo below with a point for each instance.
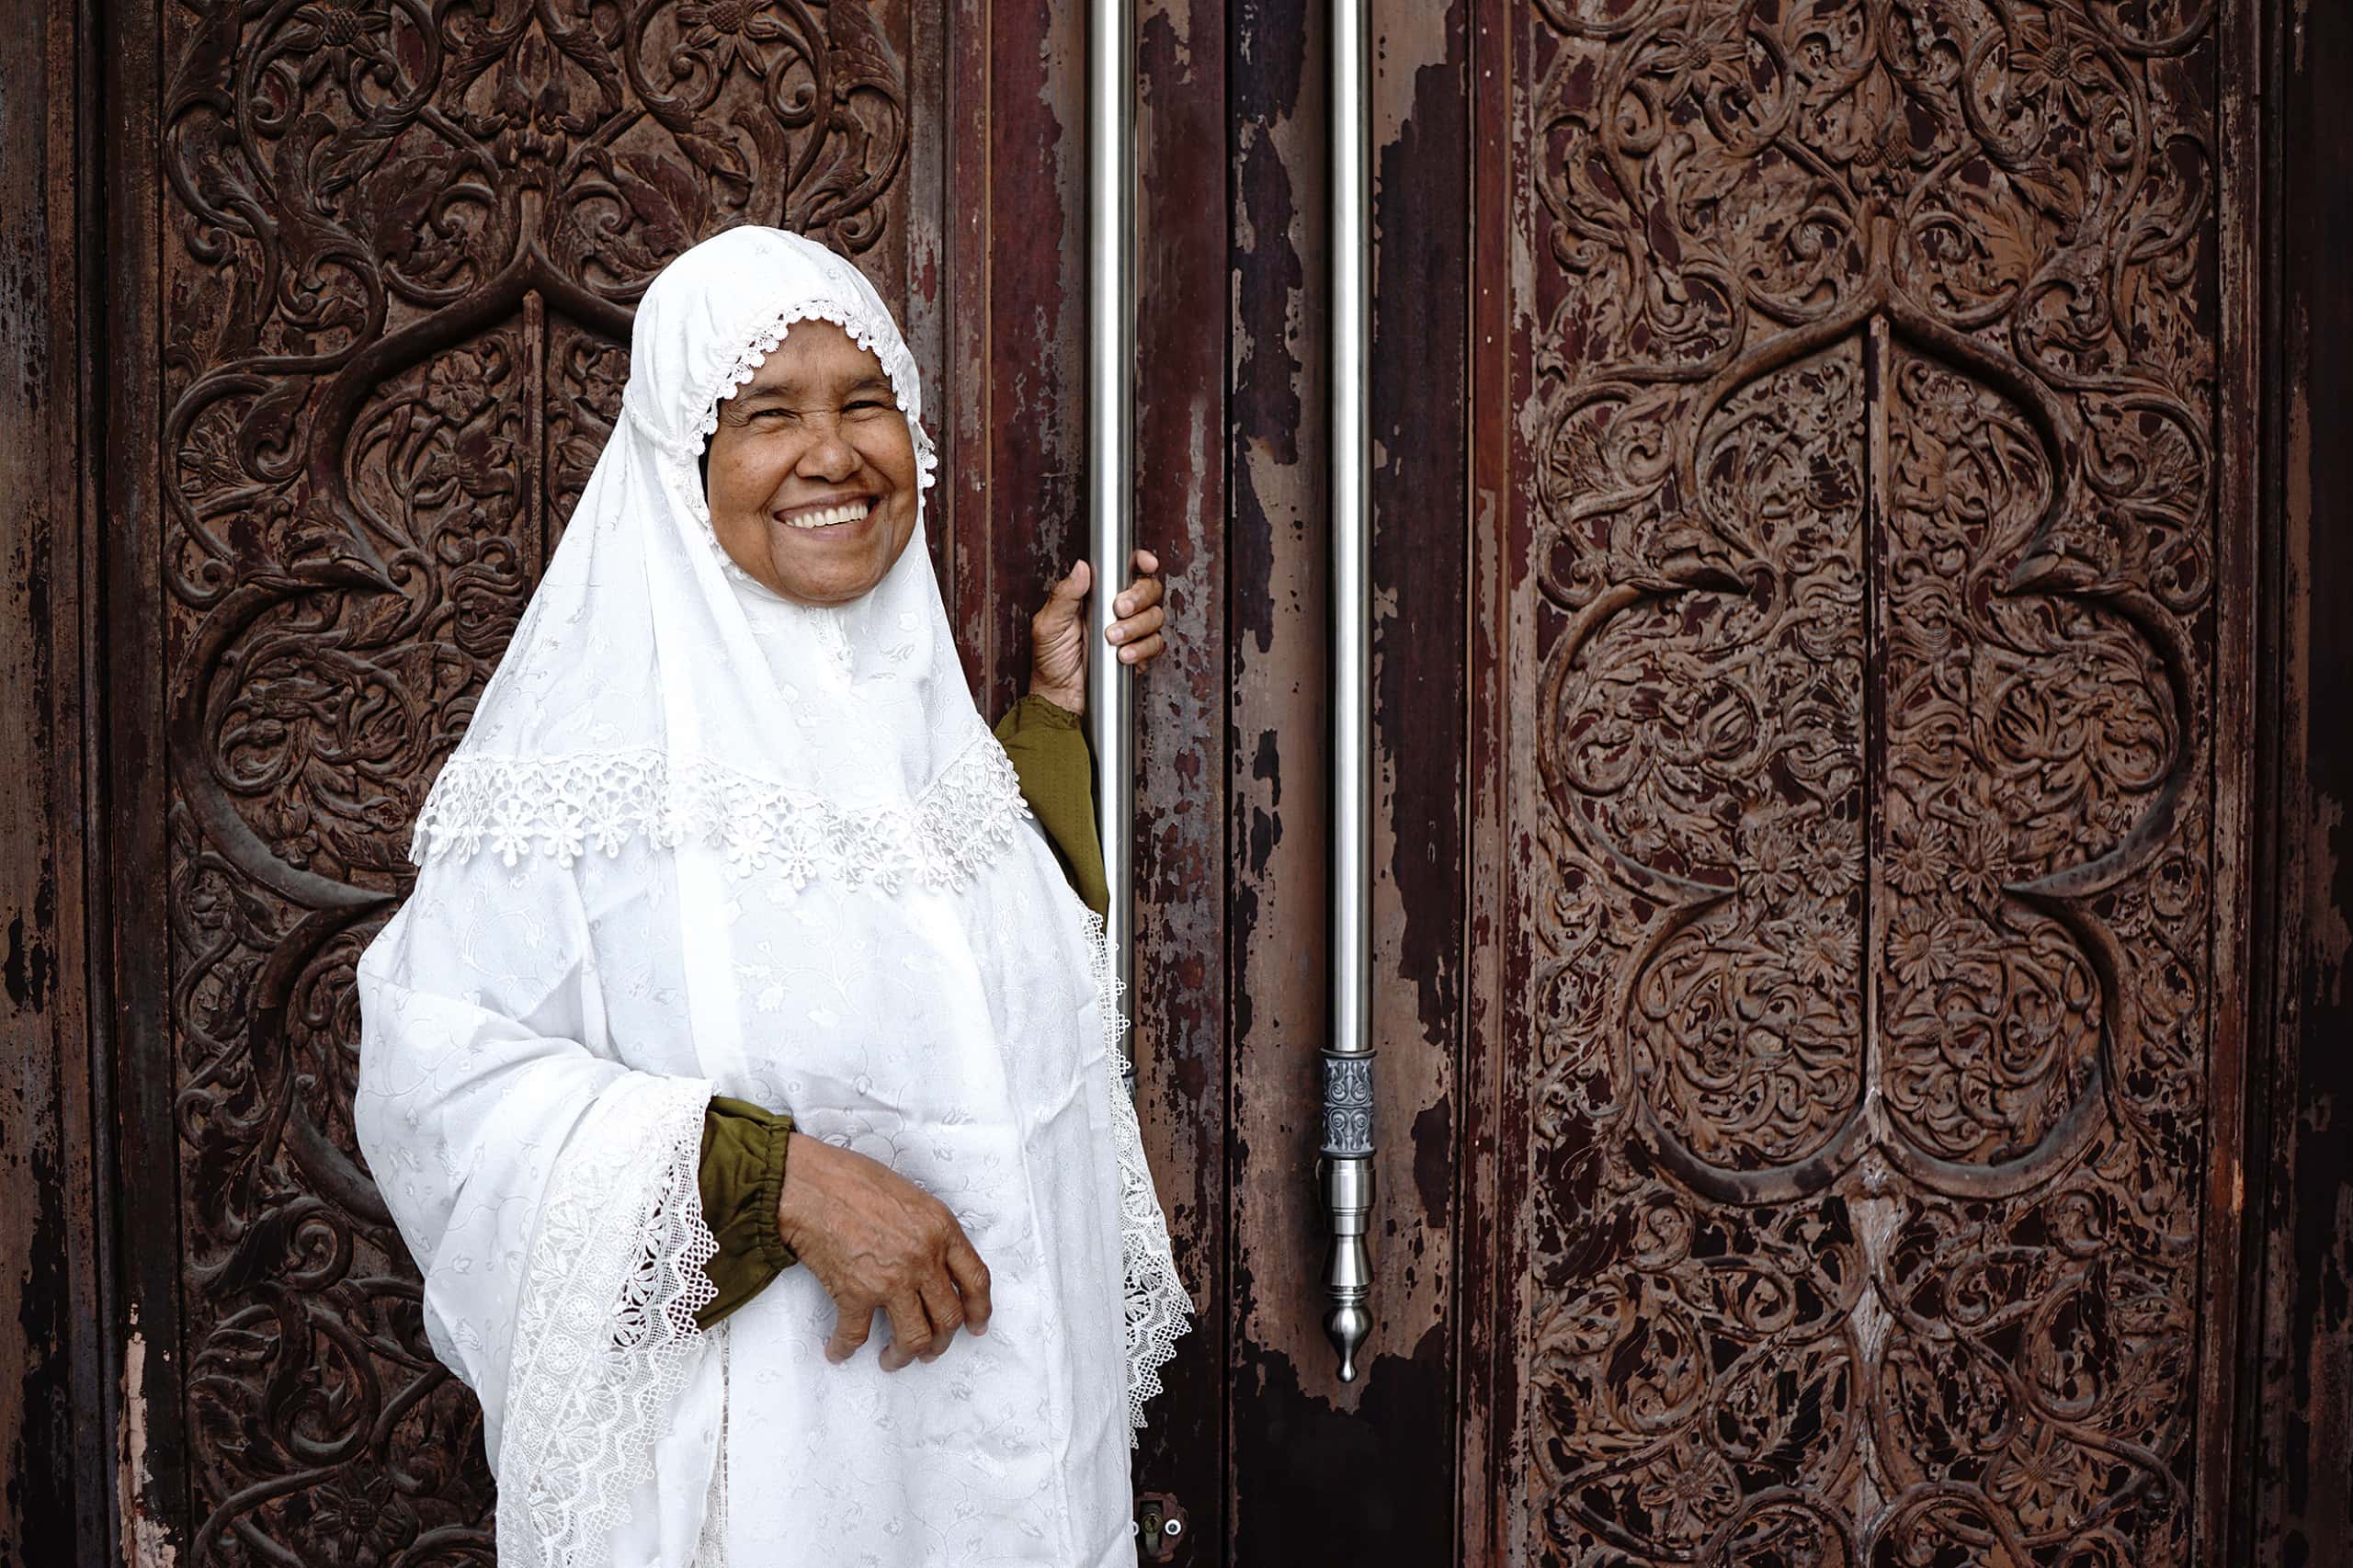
(153, 1487)
(2292, 1487)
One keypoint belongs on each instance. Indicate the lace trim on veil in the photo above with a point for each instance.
(564, 806)
(1155, 1308)
(605, 1330)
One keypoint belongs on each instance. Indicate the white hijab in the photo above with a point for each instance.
(673, 776)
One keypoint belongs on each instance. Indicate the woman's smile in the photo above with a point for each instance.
(837, 517)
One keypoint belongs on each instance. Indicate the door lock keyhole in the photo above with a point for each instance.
(1160, 1527)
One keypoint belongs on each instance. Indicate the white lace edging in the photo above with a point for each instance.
(564, 806)
(605, 1331)
(1155, 1308)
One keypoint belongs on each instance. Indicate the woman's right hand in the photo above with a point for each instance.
(876, 1239)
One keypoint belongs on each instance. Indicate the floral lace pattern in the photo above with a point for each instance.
(1156, 1309)
(577, 1439)
(564, 806)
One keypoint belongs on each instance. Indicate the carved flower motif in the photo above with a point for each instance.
(1944, 405)
(729, 30)
(1771, 873)
(458, 386)
(1917, 860)
(1920, 947)
(2064, 63)
(1981, 862)
(1640, 830)
(1835, 863)
(363, 1515)
(1688, 1499)
(330, 35)
(1818, 946)
(1721, 51)
(2036, 1484)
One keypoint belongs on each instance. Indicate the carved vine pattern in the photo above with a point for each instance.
(404, 240)
(1872, 455)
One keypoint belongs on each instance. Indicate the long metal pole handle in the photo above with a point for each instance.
(1348, 1147)
(1110, 443)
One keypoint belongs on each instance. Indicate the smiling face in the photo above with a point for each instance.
(812, 472)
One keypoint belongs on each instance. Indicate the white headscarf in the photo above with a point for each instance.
(702, 839)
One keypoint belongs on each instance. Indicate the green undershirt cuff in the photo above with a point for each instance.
(741, 1180)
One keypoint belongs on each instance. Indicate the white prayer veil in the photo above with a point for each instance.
(674, 775)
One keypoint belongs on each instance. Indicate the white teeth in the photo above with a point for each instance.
(848, 512)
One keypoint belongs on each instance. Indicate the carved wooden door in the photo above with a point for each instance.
(1870, 1074)
(1808, 908)
(376, 266)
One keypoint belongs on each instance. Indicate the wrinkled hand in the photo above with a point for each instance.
(876, 1239)
(1058, 640)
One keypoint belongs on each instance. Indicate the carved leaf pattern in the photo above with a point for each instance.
(402, 246)
(1871, 449)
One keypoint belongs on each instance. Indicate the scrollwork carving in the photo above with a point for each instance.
(403, 243)
(1872, 585)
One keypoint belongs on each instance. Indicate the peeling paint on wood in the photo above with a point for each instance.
(147, 1537)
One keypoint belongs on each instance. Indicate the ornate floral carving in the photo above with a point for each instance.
(1875, 538)
(403, 244)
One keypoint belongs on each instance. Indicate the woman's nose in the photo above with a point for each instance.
(827, 456)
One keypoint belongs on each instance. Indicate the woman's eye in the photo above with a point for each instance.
(864, 404)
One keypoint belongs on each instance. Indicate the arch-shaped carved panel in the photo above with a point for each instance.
(403, 241)
(1872, 592)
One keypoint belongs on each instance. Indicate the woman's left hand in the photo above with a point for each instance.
(1058, 638)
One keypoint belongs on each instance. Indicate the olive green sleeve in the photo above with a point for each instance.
(1048, 746)
(742, 1176)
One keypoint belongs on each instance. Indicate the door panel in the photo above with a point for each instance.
(1866, 801)
(1323, 1470)
(400, 246)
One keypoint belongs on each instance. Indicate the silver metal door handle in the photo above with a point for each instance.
(1348, 1144)
(1110, 467)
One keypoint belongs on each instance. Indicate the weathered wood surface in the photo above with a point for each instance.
(52, 1377)
(399, 251)
(2296, 1409)
(1879, 757)
(1182, 836)
(1323, 1471)
(1909, 282)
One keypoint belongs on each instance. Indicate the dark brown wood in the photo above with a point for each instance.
(1708, 375)
(1421, 129)
(1180, 843)
(2245, 528)
(1494, 1121)
(2295, 1505)
(1289, 1430)
(1030, 370)
(53, 1463)
(150, 1434)
(1878, 853)
(399, 253)
(1323, 1470)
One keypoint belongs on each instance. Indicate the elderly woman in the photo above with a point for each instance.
(742, 1002)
